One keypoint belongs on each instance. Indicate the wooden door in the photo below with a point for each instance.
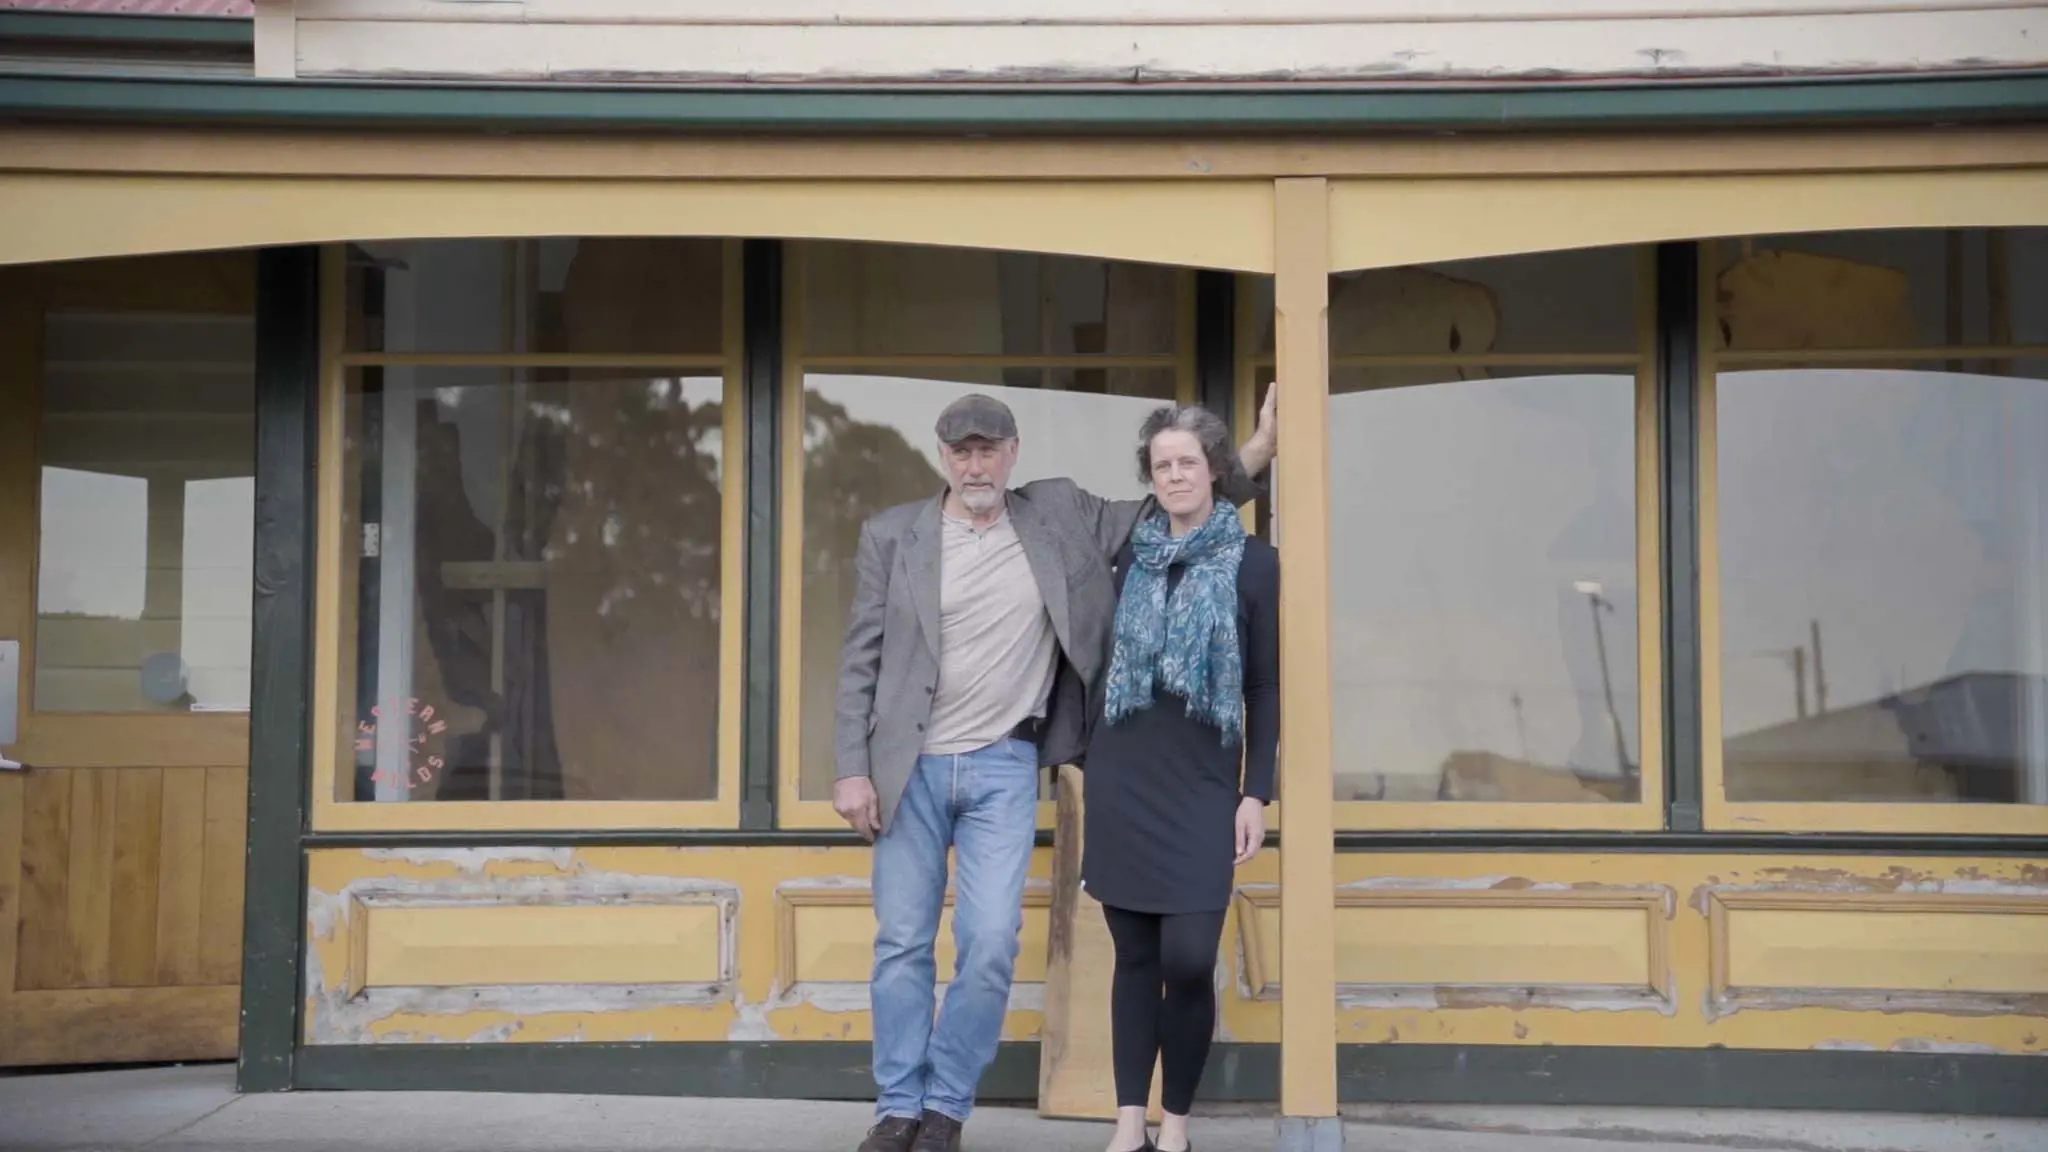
(126, 519)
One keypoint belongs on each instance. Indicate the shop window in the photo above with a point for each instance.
(1492, 542)
(537, 587)
(147, 512)
(1880, 408)
(885, 337)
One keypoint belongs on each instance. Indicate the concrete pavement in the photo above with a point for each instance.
(194, 1109)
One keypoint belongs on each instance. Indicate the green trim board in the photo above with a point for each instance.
(761, 373)
(1938, 99)
(1952, 1084)
(1677, 367)
(281, 675)
(108, 30)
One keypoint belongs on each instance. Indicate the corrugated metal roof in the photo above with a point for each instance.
(138, 7)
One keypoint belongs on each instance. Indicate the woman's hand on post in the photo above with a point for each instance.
(855, 800)
(1251, 828)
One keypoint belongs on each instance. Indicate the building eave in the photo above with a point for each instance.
(2002, 97)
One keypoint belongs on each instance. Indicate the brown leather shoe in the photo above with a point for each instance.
(937, 1132)
(890, 1134)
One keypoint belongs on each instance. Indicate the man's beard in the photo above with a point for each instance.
(981, 499)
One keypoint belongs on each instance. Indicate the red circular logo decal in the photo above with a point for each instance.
(420, 724)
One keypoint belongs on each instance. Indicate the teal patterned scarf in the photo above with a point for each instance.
(1187, 647)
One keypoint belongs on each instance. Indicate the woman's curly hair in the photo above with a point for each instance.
(1209, 430)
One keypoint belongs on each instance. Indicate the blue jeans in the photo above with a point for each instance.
(983, 804)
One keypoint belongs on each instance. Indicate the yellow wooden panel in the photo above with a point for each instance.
(832, 937)
(833, 942)
(751, 1002)
(11, 804)
(1387, 902)
(1438, 945)
(181, 858)
(513, 944)
(139, 803)
(1913, 947)
(1476, 938)
(90, 885)
(165, 740)
(45, 956)
(119, 1025)
(1209, 224)
(1975, 900)
(221, 886)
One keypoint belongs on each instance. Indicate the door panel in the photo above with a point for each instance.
(126, 498)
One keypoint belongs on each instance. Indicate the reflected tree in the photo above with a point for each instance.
(852, 470)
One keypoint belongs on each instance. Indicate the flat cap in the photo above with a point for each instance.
(976, 415)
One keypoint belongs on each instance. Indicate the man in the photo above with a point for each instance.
(980, 620)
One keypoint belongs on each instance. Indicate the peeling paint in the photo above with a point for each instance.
(474, 861)
(1893, 881)
(751, 1022)
(1884, 1002)
(854, 996)
(336, 1018)
(1571, 998)
(355, 1021)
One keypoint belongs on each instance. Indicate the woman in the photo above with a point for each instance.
(1180, 764)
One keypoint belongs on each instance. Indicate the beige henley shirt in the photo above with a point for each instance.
(996, 646)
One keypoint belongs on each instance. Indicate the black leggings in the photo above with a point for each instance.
(1162, 1003)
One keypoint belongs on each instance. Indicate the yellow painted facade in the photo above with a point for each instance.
(1334, 940)
(1622, 949)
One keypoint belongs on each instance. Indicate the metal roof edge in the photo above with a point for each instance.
(2003, 96)
(113, 30)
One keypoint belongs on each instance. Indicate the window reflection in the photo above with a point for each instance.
(891, 299)
(1884, 585)
(1578, 301)
(537, 608)
(869, 445)
(1483, 568)
(146, 512)
(630, 295)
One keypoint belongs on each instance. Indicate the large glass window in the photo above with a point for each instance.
(1487, 425)
(1882, 503)
(884, 337)
(536, 600)
(634, 296)
(147, 512)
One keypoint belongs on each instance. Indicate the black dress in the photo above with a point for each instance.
(1160, 831)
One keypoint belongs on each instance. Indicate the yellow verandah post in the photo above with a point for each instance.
(1308, 1035)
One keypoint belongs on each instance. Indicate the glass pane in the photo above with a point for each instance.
(1892, 289)
(148, 513)
(536, 610)
(608, 296)
(1577, 301)
(890, 299)
(869, 445)
(1884, 583)
(1483, 546)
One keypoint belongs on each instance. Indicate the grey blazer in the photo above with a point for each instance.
(889, 667)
